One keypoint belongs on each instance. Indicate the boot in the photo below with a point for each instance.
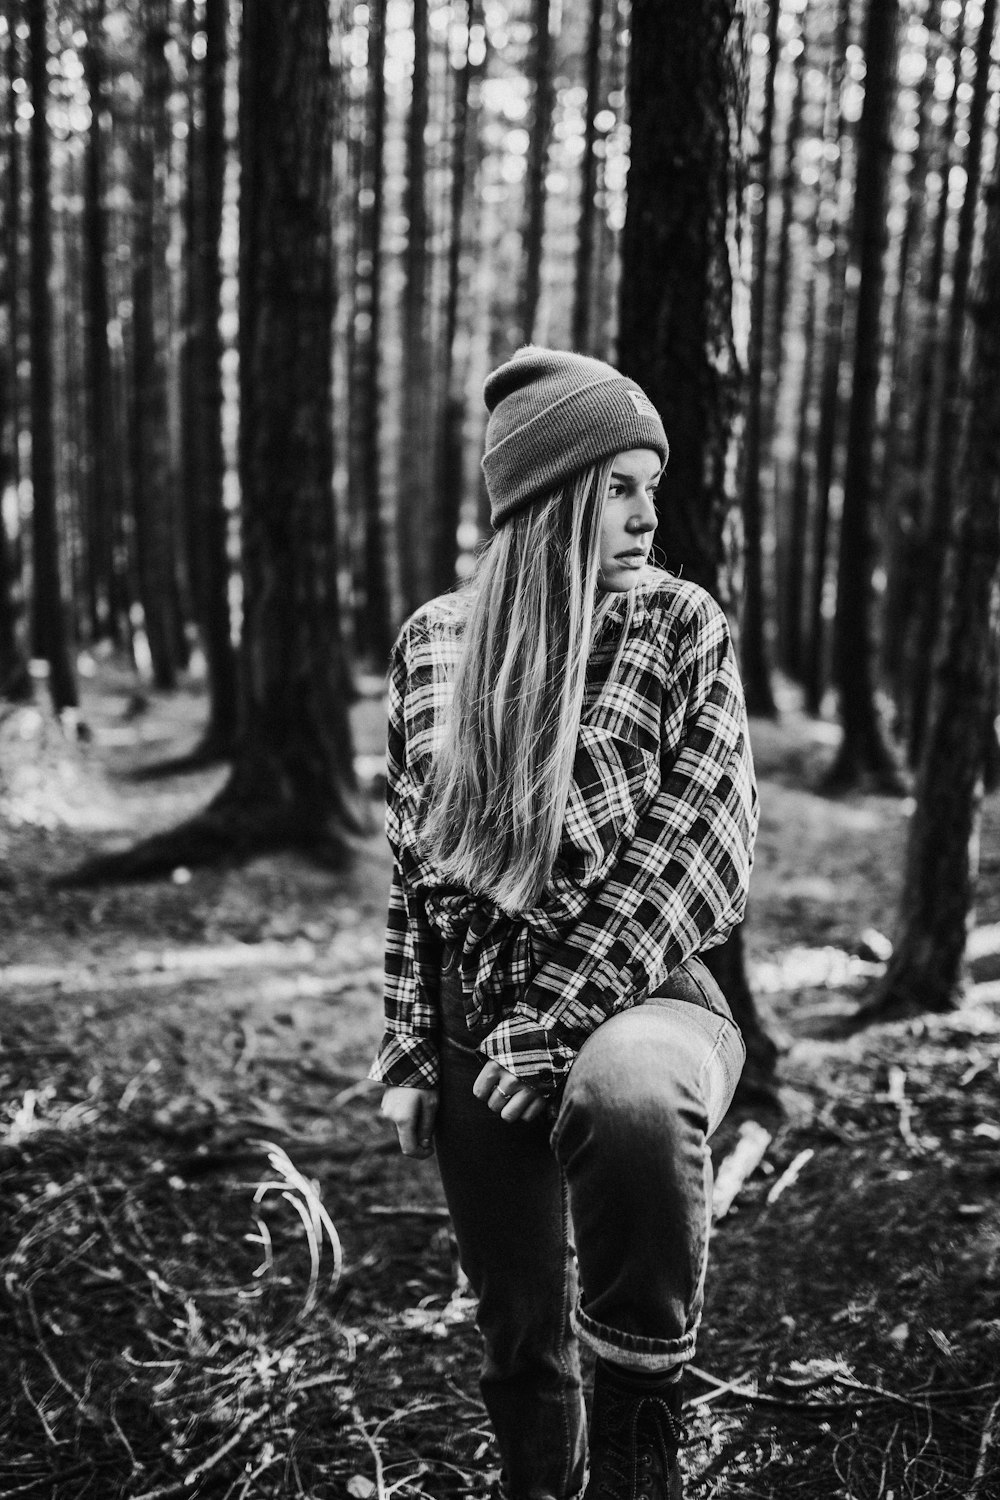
(635, 1431)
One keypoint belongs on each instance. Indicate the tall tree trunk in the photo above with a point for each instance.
(865, 750)
(938, 889)
(294, 775)
(778, 365)
(756, 665)
(829, 352)
(938, 510)
(687, 77)
(538, 155)
(151, 455)
(450, 476)
(103, 481)
(15, 681)
(795, 573)
(204, 457)
(49, 628)
(292, 781)
(415, 516)
(924, 386)
(583, 282)
(901, 522)
(676, 335)
(374, 625)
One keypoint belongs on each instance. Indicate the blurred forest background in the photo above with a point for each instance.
(255, 262)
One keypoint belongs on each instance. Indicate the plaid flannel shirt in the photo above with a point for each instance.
(655, 856)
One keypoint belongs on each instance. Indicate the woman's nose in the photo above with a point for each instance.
(644, 516)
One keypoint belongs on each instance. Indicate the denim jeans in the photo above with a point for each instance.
(591, 1225)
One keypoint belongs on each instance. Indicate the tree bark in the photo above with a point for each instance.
(901, 522)
(583, 283)
(49, 625)
(865, 750)
(688, 80)
(292, 783)
(204, 458)
(106, 465)
(151, 451)
(755, 656)
(538, 155)
(925, 970)
(415, 514)
(15, 682)
(450, 467)
(682, 219)
(829, 352)
(374, 624)
(294, 768)
(938, 514)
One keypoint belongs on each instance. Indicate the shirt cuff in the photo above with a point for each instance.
(531, 1053)
(406, 1062)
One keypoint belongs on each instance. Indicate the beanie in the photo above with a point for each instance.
(552, 414)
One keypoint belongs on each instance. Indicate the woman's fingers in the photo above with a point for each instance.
(506, 1096)
(412, 1112)
(489, 1076)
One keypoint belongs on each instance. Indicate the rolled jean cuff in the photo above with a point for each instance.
(631, 1350)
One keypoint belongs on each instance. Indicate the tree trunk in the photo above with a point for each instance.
(925, 969)
(292, 782)
(204, 458)
(776, 365)
(48, 613)
(294, 775)
(828, 352)
(151, 455)
(687, 88)
(15, 682)
(415, 515)
(795, 572)
(901, 523)
(676, 334)
(538, 155)
(450, 468)
(374, 625)
(756, 665)
(105, 459)
(583, 283)
(938, 514)
(865, 750)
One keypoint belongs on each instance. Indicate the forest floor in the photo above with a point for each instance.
(187, 1140)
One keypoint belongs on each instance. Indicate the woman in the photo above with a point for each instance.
(571, 808)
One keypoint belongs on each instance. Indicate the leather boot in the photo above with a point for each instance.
(635, 1431)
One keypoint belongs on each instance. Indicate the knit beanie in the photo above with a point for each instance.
(554, 413)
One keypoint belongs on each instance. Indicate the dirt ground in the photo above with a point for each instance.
(218, 1278)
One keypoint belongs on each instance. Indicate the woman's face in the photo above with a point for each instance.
(628, 519)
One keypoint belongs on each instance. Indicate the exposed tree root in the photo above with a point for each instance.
(211, 751)
(871, 767)
(228, 831)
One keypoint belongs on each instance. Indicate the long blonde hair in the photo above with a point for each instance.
(500, 781)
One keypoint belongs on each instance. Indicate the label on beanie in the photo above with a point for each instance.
(642, 404)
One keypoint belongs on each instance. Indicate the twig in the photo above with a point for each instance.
(742, 1161)
(370, 1442)
(896, 1094)
(790, 1174)
(987, 1441)
(234, 1437)
(410, 1210)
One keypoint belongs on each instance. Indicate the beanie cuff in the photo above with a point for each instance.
(589, 424)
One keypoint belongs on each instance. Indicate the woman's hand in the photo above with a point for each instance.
(506, 1095)
(413, 1112)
